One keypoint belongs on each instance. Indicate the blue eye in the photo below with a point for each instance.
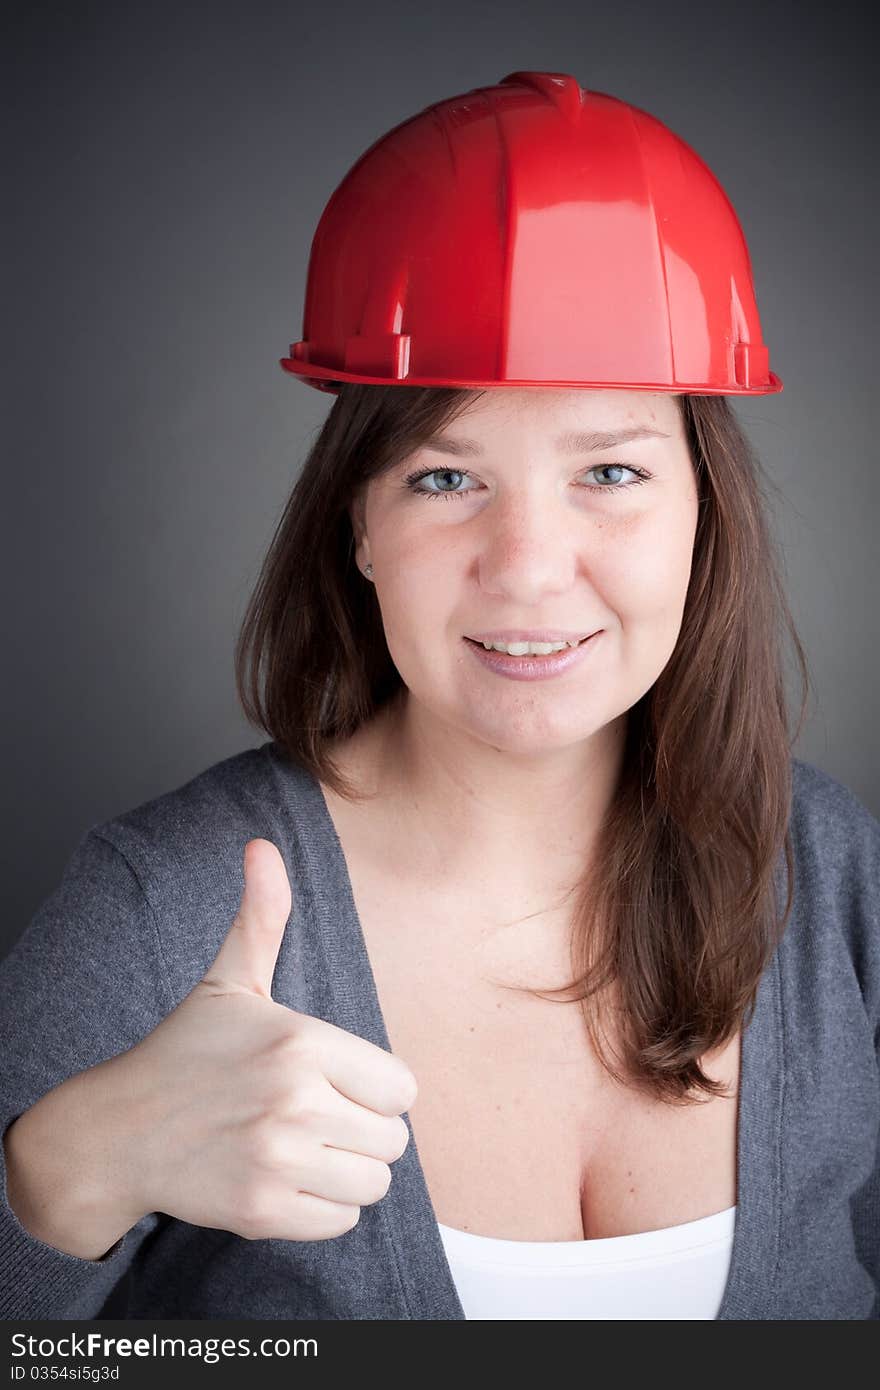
(640, 475)
(414, 478)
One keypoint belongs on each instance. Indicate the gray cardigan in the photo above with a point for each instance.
(143, 906)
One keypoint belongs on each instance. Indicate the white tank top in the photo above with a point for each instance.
(679, 1272)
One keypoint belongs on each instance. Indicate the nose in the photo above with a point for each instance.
(528, 546)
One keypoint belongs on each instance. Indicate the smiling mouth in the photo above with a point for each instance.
(474, 643)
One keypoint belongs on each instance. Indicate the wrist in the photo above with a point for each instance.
(101, 1111)
(70, 1180)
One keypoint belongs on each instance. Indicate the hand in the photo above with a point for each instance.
(254, 1118)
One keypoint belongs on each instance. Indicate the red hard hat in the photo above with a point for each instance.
(532, 233)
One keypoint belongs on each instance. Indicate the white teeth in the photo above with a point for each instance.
(528, 648)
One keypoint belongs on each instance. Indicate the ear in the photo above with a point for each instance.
(357, 516)
(356, 513)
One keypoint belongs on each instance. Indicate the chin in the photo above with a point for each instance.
(528, 734)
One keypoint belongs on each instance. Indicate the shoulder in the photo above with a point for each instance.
(185, 848)
(836, 845)
(819, 798)
(836, 832)
(192, 837)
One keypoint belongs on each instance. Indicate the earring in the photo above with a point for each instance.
(368, 571)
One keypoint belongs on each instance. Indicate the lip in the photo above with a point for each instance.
(527, 634)
(532, 668)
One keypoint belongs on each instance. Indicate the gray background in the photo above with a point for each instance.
(167, 167)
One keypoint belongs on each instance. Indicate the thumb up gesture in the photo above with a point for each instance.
(258, 1119)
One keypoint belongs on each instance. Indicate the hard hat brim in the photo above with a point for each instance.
(323, 377)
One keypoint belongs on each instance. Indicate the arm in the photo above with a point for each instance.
(83, 983)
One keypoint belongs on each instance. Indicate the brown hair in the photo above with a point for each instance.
(675, 918)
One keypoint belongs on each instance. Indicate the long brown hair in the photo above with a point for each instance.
(676, 917)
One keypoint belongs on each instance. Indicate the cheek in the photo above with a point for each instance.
(417, 586)
(644, 567)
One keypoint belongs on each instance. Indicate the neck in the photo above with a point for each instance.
(518, 826)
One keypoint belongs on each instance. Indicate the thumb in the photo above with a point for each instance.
(246, 960)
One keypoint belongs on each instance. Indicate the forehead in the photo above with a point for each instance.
(551, 408)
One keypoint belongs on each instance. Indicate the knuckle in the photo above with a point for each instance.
(266, 1142)
(400, 1139)
(395, 1137)
(255, 1216)
(410, 1089)
(380, 1181)
(345, 1218)
(303, 1101)
(350, 1220)
(290, 1048)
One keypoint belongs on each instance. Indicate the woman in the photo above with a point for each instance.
(622, 943)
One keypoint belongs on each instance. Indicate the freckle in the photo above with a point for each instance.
(631, 1191)
(471, 1029)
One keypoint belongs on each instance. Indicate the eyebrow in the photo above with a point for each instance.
(573, 442)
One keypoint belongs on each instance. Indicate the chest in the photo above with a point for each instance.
(520, 1132)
